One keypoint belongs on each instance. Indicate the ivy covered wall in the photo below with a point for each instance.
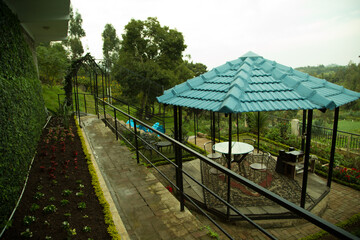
(22, 111)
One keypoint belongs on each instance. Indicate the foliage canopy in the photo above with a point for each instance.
(111, 45)
(53, 62)
(76, 32)
(150, 59)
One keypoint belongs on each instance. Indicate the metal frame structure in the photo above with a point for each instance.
(71, 81)
(179, 147)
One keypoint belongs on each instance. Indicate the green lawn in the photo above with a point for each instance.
(349, 126)
(50, 94)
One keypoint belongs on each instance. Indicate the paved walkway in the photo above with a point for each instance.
(146, 208)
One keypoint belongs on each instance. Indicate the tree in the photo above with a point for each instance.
(53, 62)
(257, 121)
(196, 68)
(149, 56)
(111, 45)
(76, 32)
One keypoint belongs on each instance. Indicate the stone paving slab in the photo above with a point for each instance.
(146, 208)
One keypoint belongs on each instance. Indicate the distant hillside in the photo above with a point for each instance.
(347, 76)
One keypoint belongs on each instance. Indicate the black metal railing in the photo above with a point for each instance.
(111, 115)
(86, 102)
(132, 109)
(344, 140)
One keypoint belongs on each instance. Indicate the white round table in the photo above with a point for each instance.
(237, 148)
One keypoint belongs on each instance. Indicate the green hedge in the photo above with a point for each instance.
(22, 112)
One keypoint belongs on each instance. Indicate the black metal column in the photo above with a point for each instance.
(116, 128)
(195, 131)
(103, 89)
(213, 129)
(229, 166)
(164, 117)
(179, 163)
(176, 129)
(136, 142)
(97, 96)
(77, 98)
(85, 103)
(219, 126)
(237, 127)
(333, 146)
(303, 131)
(176, 136)
(211, 126)
(258, 132)
(129, 114)
(74, 95)
(177, 155)
(306, 161)
(197, 123)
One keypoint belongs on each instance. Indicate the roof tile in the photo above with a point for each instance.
(252, 83)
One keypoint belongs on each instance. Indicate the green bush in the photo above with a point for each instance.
(22, 112)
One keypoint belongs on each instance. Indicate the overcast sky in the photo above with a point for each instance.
(291, 32)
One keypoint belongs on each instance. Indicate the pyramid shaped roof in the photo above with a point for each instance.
(252, 83)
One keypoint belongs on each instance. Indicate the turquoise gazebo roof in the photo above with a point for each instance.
(252, 83)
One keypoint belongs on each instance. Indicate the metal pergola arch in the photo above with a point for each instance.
(71, 81)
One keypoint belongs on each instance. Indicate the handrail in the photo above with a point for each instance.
(133, 106)
(121, 101)
(318, 126)
(325, 225)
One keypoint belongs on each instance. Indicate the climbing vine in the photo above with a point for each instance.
(22, 111)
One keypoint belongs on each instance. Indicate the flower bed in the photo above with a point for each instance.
(343, 174)
(59, 201)
(350, 175)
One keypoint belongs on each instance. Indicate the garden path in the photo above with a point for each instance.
(146, 208)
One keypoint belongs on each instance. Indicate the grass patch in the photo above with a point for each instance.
(50, 94)
(349, 126)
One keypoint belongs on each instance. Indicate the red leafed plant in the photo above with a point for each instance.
(351, 175)
(169, 188)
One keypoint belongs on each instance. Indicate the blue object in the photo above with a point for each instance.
(141, 127)
(158, 127)
(161, 129)
(155, 125)
(252, 83)
(130, 122)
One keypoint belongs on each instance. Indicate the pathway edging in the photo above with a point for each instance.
(115, 214)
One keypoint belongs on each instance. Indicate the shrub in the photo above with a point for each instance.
(22, 111)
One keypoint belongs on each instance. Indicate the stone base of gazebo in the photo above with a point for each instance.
(247, 201)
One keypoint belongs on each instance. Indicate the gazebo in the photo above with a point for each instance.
(252, 83)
